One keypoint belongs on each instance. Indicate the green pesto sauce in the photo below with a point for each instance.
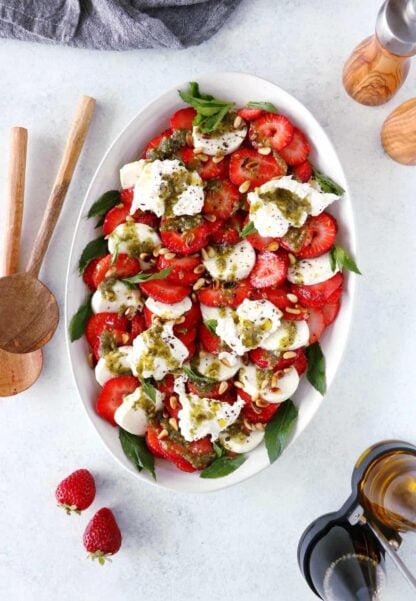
(252, 334)
(296, 237)
(107, 343)
(173, 186)
(143, 402)
(289, 339)
(213, 370)
(263, 375)
(113, 361)
(222, 253)
(183, 223)
(156, 347)
(135, 246)
(168, 148)
(289, 204)
(197, 459)
(106, 288)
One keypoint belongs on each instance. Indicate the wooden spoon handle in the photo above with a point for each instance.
(398, 134)
(14, 200)
(73, 147)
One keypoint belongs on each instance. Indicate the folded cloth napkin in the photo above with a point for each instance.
(114, 24)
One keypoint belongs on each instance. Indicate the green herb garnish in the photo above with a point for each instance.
(211, 324)
(135, 448)
(146, 277)
(327, 184)
(94, 249)
(222, 466)
(340, 258)
(80, 319)
(265, 106)
(104, 203)
(279, 429)
(248, 229)
(316, 367)
(195, 376)
(209, 110)
(114, 257)
(149, 390)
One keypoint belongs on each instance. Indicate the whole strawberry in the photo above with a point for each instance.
(76, 492)
(102, 536)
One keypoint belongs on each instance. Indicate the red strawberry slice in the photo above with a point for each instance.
(249, 165)
(330, 312)
(254, 414)
(137, 326)
(271, 130)
(184, 241)
(165, 291)
(210, 342)
(207, 169)
(263, 359)
(228, 232)
(183, 268)
(270, 269)
(316, 324)
(303, 172)
(250, 114)
(301, 362)
(126, 196)
(221, 198)
(296, 152)
(102, 536)
(276, 295)
(183, 118)
(322, 231)
(111, 322)
(76, 492)
(317, 295)
(152, 440)
(123, 267)
(155, 142)
(115, 216)
(88, 275)
(260, 242)
(112, 395)
(188, 455)
(231, 294)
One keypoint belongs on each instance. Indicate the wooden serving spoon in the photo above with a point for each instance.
(29, 311)
(17, 372)
(398, 134)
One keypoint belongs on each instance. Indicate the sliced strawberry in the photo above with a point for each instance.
(276, 295)
(317, 295)
(212, 391)
(230, 294)
(112, 395)
(147, 314)
(254, 414)
(155, 142)
(187, 337)
(183, 268)
(123, 267)
(104, 321)
(263, 359)
(270, 269)
(153, 441)
(88, 275)
(260, 242)
(221, 198)
(207, 169)
(250, 114)
(303, 172)
(322, 231)
(330, 312)
(183, 118)
(188, 457)
(137, 326)
(126, 196)
(301, 362)
(301, 316)
(210, 342)
(316, 324)
(296, 152)
(184, 235)
(115, 216)
(165, 291)
(146, 217)
(275, 131)
(167, 385)
(249, 165)
(192, 317)
(172, 404)
(228, 233)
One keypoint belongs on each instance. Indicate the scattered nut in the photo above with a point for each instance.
(245, 186)
(265, 150)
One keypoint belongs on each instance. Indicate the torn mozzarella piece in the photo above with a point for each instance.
(290, 336)
(133, 239)
(231, 263)
(219, 368)
(115, 296)
(240, 442)
(133, 413)
(307, 272)
(129, 173)
(113, 364)
(252, 380)
(219, 143)
(168, 311)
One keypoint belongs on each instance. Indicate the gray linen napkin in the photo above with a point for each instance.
(114, 24)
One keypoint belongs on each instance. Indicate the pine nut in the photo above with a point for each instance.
(292, 259)
(173, 401)
(222, 388)
(218, 159)
(194, 297)
(247, 425)
(189, 237)
(210, 252)
(129, 219)
(174, 423)
(289, 355)
(125, 338)
(264, 150)
(292, 297)
(163, 251)
(163, 434)
(273, 246)
(237, 122)
(203, 157)
(199, 269)
(90, 359)
(264, 384)
(204, 254)
(189, 139)
(170, 256)
(225, 362)
(156, 251)
(198, 150)
(262, 403)
(293, 311)
(244, 187)
(180, 320)
(261, 427)
(144, 256)
(211, 218)
(199, 283)
(238, 384)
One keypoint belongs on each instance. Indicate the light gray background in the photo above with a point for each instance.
(239, 544)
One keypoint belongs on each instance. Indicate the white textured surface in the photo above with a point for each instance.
(239, 544)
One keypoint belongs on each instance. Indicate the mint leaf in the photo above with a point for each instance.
(327, 184)
(135, 448)
(79, 320)
(104, 203)
(222, 466)
(146, 277)
(279, 429)
(265, 106)
(195, 376)
(211, 324)
(248, 229)
(316, 367)
(94, 249)
(209, 110)
(149, 390)
(339, 257)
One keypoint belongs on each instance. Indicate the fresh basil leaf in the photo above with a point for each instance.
(265, 106)
(104, 203)
(248, 229)
(135, 448)
(211, 324)
(194, 375)
(340, 258)
(79, 320)
(146, 277)
(116, 250)
(222, 466)
(210, 111)
(94, 249)
(316, 367)
(100, 222)
(327, 184)
(218, 449)
(279, 429)
(149, 390)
